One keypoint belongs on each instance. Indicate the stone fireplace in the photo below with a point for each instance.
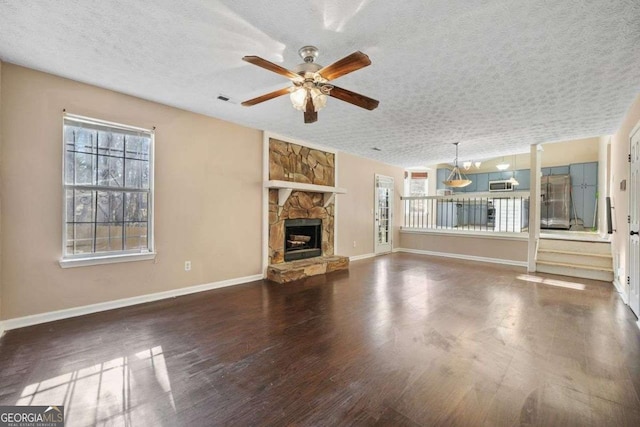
(295, 163)
(301, 184)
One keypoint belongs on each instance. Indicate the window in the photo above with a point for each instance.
(108, 190)
(418, 184)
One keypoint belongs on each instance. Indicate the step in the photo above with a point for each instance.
(575, 246)
(575, 258)
(574, 235)
(584, 272)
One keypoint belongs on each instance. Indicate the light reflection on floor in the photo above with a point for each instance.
(106, 392)
(552, 282)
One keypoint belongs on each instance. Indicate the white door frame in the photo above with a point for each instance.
(387, 247)
(633, 240)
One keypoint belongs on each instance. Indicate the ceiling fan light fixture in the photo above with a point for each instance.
(502, 166)
(319, 99)
(311, 86)
(298, 98)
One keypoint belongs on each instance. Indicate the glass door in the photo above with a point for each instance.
(633, 264)
(383, 227)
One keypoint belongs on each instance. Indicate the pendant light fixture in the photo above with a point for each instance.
(456, 178)
(467, 165)
(502, 165)
(513, 179)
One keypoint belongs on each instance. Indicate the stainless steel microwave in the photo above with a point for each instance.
(500, 185)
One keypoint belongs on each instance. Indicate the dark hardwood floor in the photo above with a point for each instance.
(398, 340)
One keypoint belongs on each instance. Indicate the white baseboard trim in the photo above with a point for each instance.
(620, 290)
(638, 324)
(2, 329)
(35, 319)
(394, 250)
(359, 257)
(466, 257)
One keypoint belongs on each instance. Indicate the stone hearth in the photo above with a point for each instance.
(296, 270)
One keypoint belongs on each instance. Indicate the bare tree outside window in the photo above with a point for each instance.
(107, 186)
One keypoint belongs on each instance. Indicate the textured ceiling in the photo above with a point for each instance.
(496, 75)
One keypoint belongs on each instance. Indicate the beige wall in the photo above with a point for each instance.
(477, 246)
(1, 195)
(208, 190)
(620, 199)
(567, 152)
(355, 218)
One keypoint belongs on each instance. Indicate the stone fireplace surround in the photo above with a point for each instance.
(295, 163)
(299, 164)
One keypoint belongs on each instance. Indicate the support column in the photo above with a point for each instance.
(604, 162)
(534, 205)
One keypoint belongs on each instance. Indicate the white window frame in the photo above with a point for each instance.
(82, 260)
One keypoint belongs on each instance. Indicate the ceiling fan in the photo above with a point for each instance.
(311, 82)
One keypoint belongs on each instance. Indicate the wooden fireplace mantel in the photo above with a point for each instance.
(285, 188)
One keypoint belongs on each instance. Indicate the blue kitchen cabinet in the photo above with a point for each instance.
(495, 176)
(471, 187)
(555, 170)
(506, 175)
(482, 182)
(589, 206)
(585, 174)
(523, 176)
(584, 186)
(577, 174)
(559, 170)
(446, 214)
(591, 174)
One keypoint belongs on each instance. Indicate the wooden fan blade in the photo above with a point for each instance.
(354, 98)
(310, 114)
(266, 97)
(256, 60)
(346, 65)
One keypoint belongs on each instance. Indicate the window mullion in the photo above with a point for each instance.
(73, 194)
(124, 195)
(95, 219)
(106, 188)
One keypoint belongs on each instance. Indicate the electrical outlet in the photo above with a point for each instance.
(354, 243)
(187, 266)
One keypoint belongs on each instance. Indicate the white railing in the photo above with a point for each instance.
(491, 212)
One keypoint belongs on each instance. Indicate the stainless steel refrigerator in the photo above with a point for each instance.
(555, 208)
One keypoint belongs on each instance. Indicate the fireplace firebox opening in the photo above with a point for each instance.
(302, 238)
